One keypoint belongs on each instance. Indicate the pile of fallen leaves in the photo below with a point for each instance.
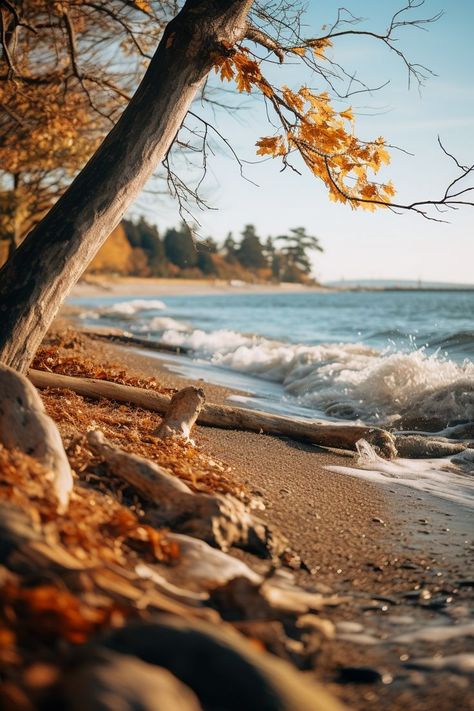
(73, 574)
(70, 352)
(55, 590)
(134, 430)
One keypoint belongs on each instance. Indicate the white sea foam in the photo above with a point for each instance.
(439, 477)
(351, 381)
(130, 308)
(160, 324)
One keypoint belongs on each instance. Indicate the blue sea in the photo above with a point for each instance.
(369, 357)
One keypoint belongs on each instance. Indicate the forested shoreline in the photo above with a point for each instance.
(136, 248)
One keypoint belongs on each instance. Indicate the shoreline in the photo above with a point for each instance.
(117, 286)
(105, 285)
(170, 375)
(362, 539)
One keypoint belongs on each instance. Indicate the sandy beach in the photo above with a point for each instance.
(404, 559)
(105, 285)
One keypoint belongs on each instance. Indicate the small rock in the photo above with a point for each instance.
(362, 675)
(349, 627)
(376, 519)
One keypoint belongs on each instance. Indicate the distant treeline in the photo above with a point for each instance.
(138, 249)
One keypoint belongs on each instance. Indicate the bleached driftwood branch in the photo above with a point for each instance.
(221, 520)
(182, 413)
(24, 425)
(224, 417)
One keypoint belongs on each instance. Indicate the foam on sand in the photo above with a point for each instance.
(440, 477)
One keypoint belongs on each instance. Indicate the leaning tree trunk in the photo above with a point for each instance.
(45, 267)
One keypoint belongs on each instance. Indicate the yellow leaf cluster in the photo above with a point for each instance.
(271, 146)
(323, 136)
(319, 47)
(244, 70)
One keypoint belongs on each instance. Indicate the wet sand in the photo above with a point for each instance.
(404, 558)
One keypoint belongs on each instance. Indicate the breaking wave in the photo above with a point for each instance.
(126, 309)
(349, 381)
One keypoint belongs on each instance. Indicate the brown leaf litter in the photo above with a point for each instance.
(42, 611)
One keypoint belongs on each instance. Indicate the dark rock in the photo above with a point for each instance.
(220, 666)
(107, 681)
(359, 675)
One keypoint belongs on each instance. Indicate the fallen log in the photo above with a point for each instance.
(223, 521)
(225, 417)
(220, 667)
(123, 339)
(419, 447)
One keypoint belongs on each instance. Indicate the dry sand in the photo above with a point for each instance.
(105, 285)
(399, 555)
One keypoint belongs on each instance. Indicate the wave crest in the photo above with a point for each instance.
(350, 381)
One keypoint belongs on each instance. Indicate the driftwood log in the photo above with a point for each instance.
(24, 425)
(221, 520)
(183, 411)
(225, 417)
(422, 447)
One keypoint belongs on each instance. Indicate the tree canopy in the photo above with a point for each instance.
(240, 39)
(68, 69)
(136, 248)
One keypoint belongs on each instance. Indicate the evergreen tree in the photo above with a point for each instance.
(145, 236)
(295, 253)
(230, 249)
(180, 248)
(206, 263)
(250, 253)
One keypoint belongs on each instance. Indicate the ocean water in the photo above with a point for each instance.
(370, 357)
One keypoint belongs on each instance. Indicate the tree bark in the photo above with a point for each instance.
(42, 271)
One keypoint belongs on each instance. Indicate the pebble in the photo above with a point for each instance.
(376, 519)
(363, 675)
(349, 627)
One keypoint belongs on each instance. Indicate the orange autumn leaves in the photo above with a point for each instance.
(323, 136)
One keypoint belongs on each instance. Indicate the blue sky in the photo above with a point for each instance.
(359, 244)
